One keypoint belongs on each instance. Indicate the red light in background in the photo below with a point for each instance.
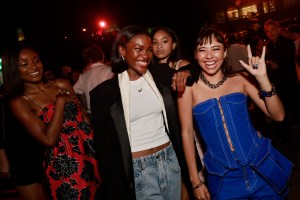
(102, 24)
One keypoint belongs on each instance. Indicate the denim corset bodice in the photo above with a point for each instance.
(244, 137)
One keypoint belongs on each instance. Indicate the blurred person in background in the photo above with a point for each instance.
(257, 43)
(235, 52)
(294, 34)
(280, 56)
(73, 76)
(94, 73)
(65, 70)
(49, 75)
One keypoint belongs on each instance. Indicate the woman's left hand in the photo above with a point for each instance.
(257, 66)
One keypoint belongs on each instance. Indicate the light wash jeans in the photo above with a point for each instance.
(158, 176)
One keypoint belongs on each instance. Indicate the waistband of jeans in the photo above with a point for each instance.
(152, 159)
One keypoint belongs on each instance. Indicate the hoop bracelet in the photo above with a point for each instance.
(262, 94)
(198, 185)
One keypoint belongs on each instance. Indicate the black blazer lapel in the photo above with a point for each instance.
(117, 114)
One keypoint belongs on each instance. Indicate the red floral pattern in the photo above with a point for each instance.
(71, 166)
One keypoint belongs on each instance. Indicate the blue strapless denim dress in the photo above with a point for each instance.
(250, 147)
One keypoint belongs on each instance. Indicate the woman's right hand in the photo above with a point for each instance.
(66, 96)
(202, 193)
(256, 65)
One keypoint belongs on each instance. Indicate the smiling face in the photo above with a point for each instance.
(138, 54)
(30, 66)
(163, 45)
(210, 55)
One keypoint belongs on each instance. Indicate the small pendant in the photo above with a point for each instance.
(140, 89)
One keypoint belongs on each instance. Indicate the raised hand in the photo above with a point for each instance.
(257, 65)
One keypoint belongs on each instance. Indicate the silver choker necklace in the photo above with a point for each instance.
(213, 86)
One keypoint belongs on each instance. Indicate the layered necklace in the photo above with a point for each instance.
(213, 86)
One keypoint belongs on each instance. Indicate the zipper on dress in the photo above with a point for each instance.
(225, 126)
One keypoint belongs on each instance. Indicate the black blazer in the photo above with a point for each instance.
(111, 138)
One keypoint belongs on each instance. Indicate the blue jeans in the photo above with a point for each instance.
(158, 176)
(242, 183)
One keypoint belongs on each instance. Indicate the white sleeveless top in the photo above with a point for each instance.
(146, 117)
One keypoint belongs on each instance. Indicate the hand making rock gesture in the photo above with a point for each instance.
(257, 66)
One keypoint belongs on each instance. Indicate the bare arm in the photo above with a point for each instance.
(46, 134)
(272, 105)
(185, 104)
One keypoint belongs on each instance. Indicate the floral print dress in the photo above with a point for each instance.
(71, 167)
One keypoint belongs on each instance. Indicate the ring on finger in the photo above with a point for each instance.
(255, 66)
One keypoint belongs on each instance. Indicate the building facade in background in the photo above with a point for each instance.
(236, 15)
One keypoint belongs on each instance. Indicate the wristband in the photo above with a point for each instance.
(198, 185)
(264, 94)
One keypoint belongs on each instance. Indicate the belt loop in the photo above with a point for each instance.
(143, 163)
(166, 153)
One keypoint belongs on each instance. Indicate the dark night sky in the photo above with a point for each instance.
(47, 21)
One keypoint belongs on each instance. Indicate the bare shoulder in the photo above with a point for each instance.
(243, 79)
(18, 103)
(63, 83)
(248, 78)
(242, 75)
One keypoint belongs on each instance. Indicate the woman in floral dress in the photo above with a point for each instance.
(52, 115)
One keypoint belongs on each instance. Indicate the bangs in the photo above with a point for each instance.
(206, 36)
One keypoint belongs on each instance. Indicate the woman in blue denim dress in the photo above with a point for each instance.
(240, 162)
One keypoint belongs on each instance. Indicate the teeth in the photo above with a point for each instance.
(142, 62)
(210, 63)
(34, 73)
